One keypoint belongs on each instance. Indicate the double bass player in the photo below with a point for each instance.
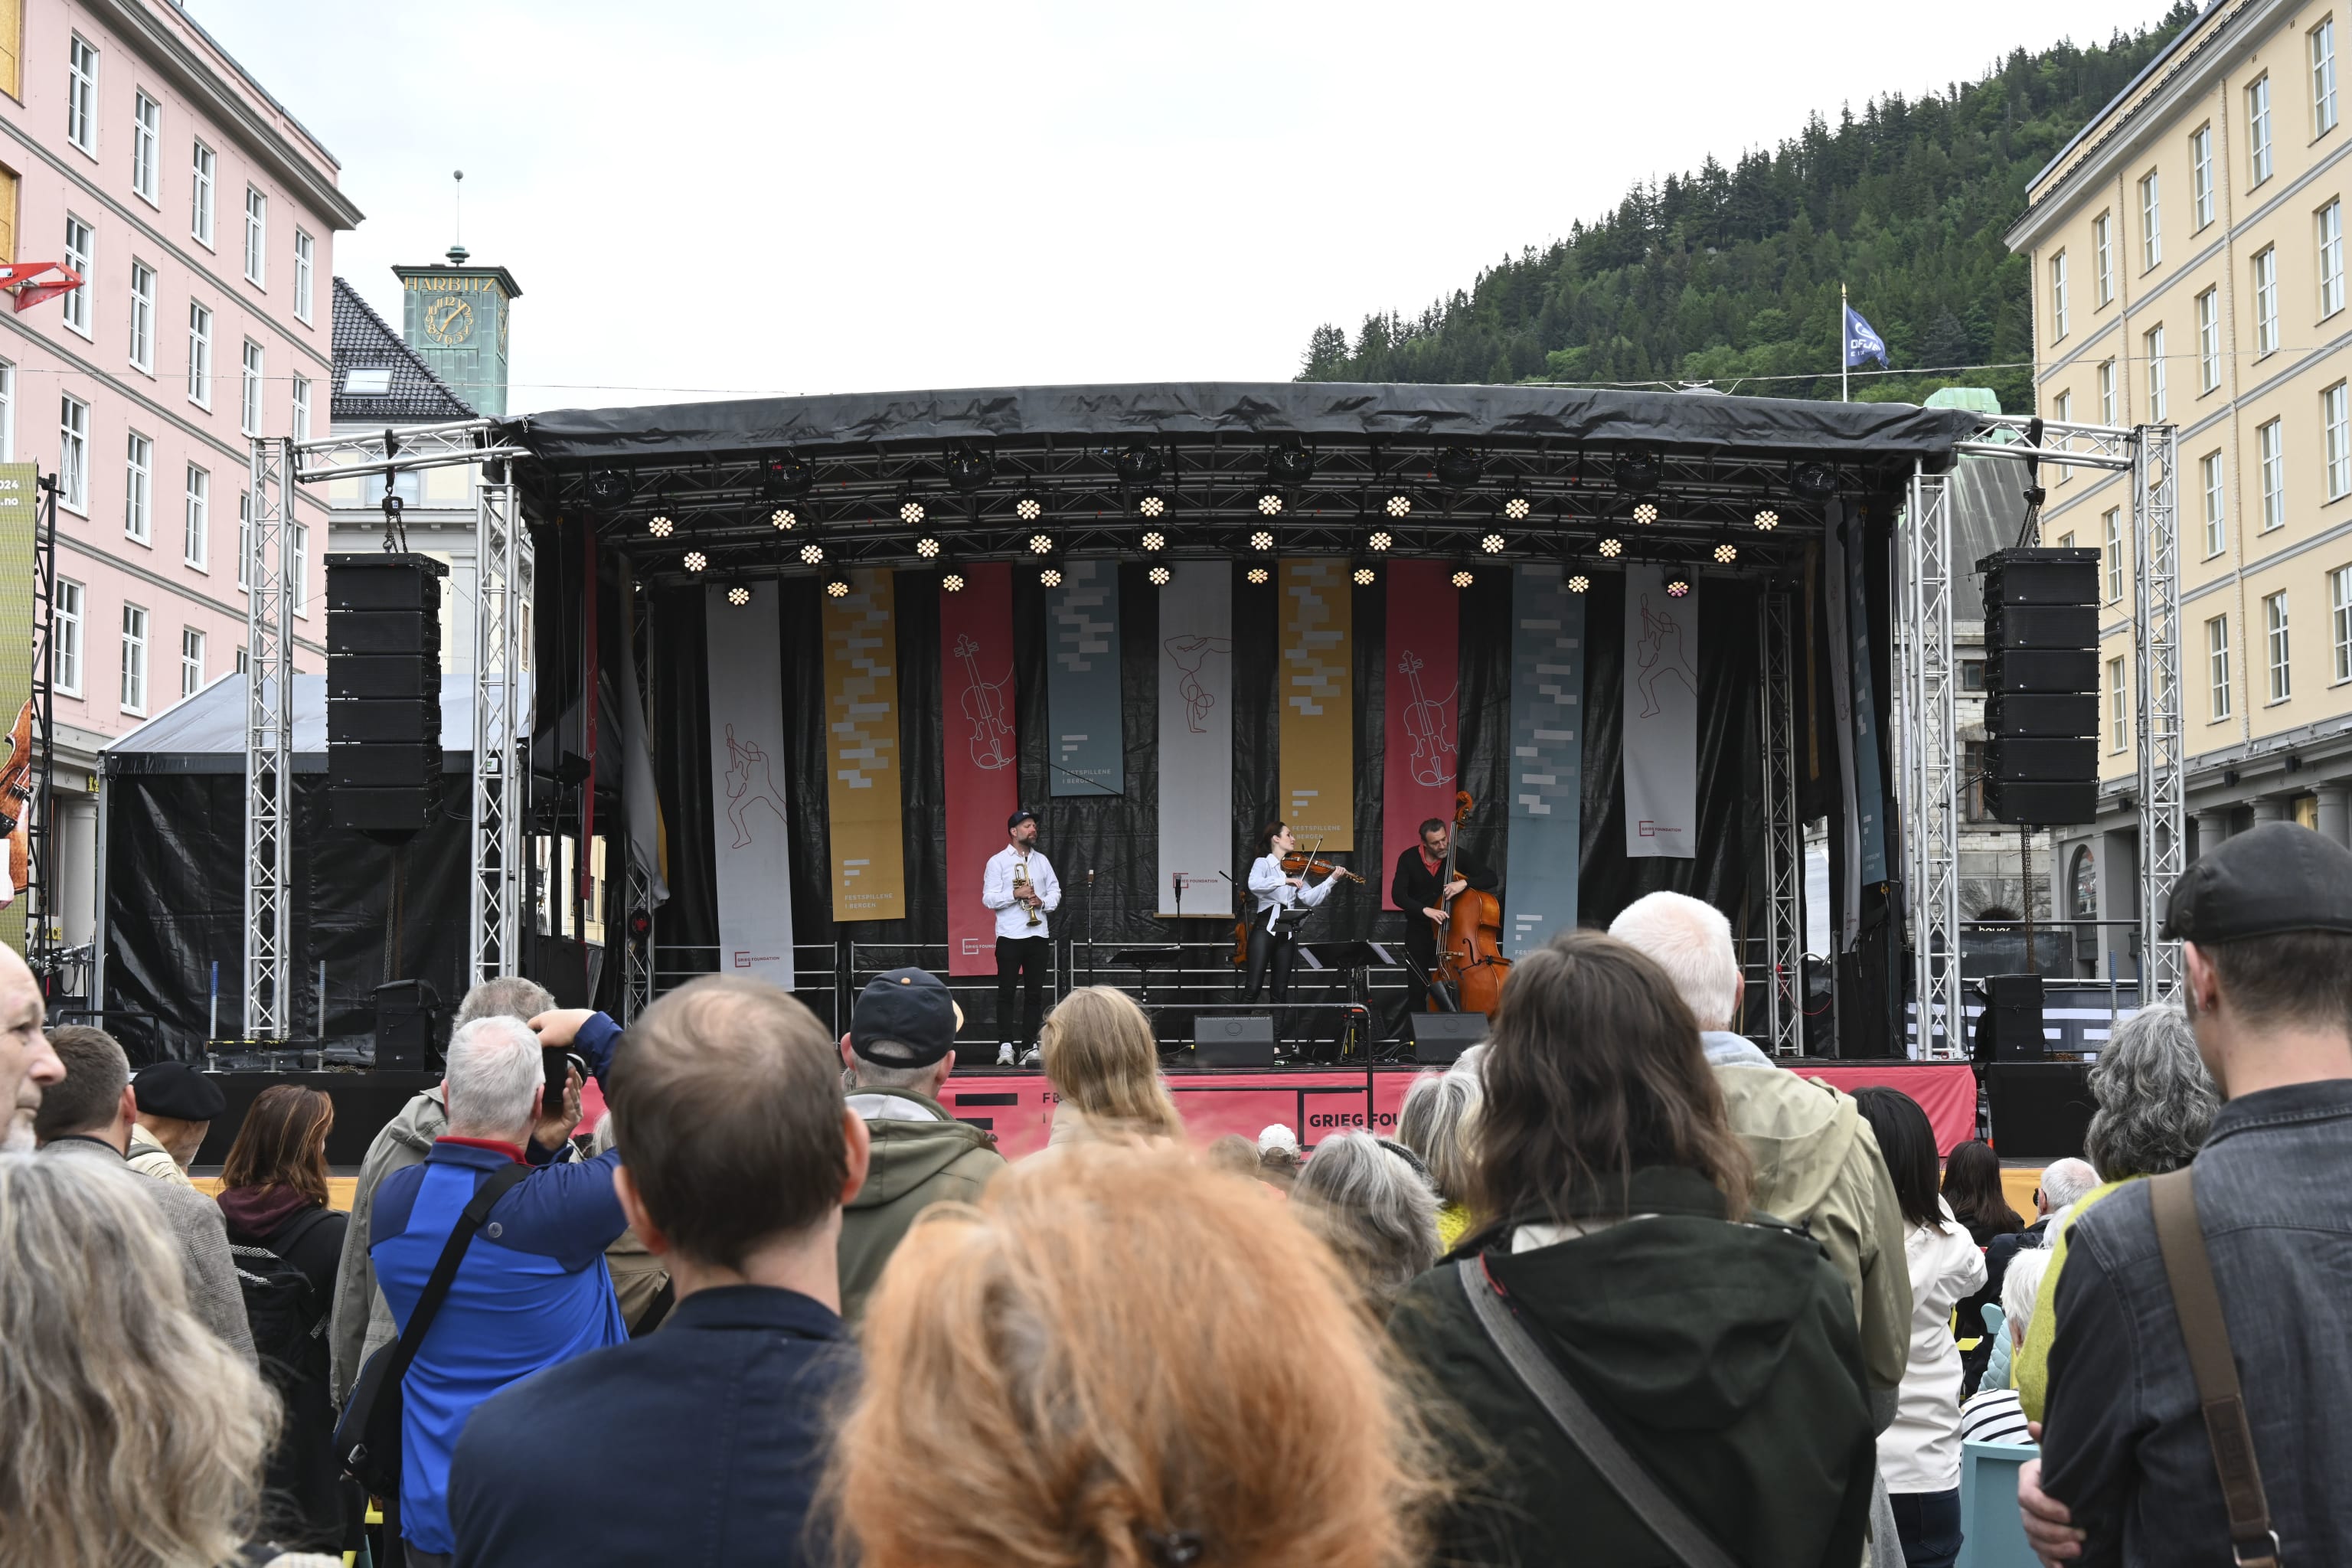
(1418, 890)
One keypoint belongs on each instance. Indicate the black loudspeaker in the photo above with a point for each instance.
(404, 1015)
(1443, 1036)
(2048, 715)
(2042, 685)
(2009, 1028)
(1232, 1042)
(383, 691)
(2043, 669)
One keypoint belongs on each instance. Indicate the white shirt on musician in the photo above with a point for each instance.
(997, 892)
(1270, 885)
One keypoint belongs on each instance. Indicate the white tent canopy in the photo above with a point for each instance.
(206, 733)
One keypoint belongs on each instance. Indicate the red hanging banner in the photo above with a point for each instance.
(1418, 763)
(983, 787)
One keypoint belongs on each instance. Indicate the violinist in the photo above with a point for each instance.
(1418, 888)
(1274, 936)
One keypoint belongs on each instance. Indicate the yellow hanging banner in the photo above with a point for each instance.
(1316, 687)
(868, 849)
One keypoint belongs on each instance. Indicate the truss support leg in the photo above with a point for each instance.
(269, 746)
(1930, 743)
(2163, 742)
(1784, 847)
(502, 555)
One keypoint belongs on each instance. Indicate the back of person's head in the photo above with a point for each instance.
(2156, 1100)
(1439, 1114)
(1972, 1187)
(1124, 1358)
(2067, 1180)
(283, 1142)
(1103, 1057)
(135, 1436)
(1907, 1142)
(1233, 1154)
(728, 1110)
(496, 1074)
(2019, 1286)
(1594, 1068)
(1378, 1211)
(1691, 941)
(504, 996)
(97, 1072)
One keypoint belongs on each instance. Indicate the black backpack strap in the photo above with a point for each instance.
(444, 1272)
(657, 1310)
(302, 1225)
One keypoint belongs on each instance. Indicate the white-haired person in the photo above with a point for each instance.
(1994, 1415)
(1439, 1115)
(1372, 1202)
(532, 1292)
(136, 1439)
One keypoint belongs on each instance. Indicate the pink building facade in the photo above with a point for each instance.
(202, 217)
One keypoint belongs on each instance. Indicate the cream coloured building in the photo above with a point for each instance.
(2188, 252)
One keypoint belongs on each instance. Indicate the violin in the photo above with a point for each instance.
(1300, 863)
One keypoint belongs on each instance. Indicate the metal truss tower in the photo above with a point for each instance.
(1929, 725)
(503, 577)
(1784, 849)
(2163, 740)
(269, 747)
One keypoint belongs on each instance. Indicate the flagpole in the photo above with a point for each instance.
(1845, 333)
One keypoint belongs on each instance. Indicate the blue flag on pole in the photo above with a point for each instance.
(1862, 343)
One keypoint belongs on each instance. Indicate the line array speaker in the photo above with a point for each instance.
(2042, 681)
(383, 690)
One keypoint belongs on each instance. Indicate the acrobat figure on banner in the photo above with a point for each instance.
(1427, 722)
(1191, 653)
(747, 766)
(1661, 655)
(984, 705)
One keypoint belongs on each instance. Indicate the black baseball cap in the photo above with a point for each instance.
(2281, 877)
(1018, 818)
(905, 1017)
(177, 1090)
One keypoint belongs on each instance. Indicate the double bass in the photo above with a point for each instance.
(1470, 962)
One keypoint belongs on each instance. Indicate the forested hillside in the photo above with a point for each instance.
(1733, 272)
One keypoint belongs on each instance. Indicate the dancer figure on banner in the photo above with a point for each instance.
(984, 705)
(1191, 654)
(1661, 655)
(1429, 725)
(749, 783)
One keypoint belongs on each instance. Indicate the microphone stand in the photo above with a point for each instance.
(1090, 925)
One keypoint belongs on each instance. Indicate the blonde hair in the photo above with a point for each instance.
(1103, 1057)
(135, 1437)
(1112, 1352)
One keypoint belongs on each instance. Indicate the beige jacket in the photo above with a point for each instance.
(149, 1158)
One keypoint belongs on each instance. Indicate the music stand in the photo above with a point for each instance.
(1148, 959)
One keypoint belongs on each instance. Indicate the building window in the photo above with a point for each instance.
(256, 234)
(245, 538)
(196, 519)
(64, 639)
(134, 660)
(200, 198)
(2335, 425)
(79, 242)
(2271, 445)
(1973, 675)
(2339, 613)
(142, 317)
(2275, 635)
(81, 95)
(200, 355)
(2062, 409)
(2112, 523)
(2258, 129)
(2108, 414)
(2217, 663)
(297, 567)
(304, 263)
(2208, 341)
(138, 488)
(2331, 257)
(240, 659)
(2058, 297)
(191, 662)
(2103, 256)
(2154, 341)
(248, 401)
(2200, 177)
(1972, 779)
(301, 408)
(2266, 329)
(2217, 537)
(2323, 77)
(73, 453)
(2152, 224)
(2118, 719)
(146, 146)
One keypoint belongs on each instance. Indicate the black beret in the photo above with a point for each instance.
(177, 1090)
(2279, 878)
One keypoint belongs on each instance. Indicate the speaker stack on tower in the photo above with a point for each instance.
(383, 691)
(2042, 685)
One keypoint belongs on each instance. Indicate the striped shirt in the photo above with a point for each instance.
(1995, 1416)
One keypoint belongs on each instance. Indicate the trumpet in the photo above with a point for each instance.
(1021, 889)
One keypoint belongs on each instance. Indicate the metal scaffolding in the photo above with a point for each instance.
(2163, 741)
(268, 744)
(1928, 728)
(637, 905)
(503, 570)
(1784, 847)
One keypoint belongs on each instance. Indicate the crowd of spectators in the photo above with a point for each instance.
(1620, 1290)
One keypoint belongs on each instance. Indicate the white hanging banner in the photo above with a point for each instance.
(752, 851)
(1660, 716)
(1196, 740)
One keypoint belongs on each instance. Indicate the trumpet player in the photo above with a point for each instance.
(1021, 886)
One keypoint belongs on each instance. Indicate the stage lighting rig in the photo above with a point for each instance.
(1161, 575)
(1639, 473)
(928, 547)
(1611, 548)
(1261, 540)
(739, 594)
(1154, 540)
(1462, 576)
(1578, 583)
(1364, 572)
(786, 478)
(1259, 576)
(1289, 463)
(1041, 543)
(1678, 584)
(1269, 503)
(1459, 467)
(812, 553)
(1725, 554)
(912, 513)
(1767, 520)
(1381, 540)
(1151, 503)
(1815, 483)
(1049, 576)
(607, 487)
(952, 580)
(1492, 545)
(837, 583)
(1517, 507)
(1139, 464)
(1029, 507)
(661, 527)
(696, 560)
(968, 469)
(785, 518)
(1397, 504)
(1645, 512)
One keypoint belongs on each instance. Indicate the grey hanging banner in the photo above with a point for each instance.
(1196, 740)
(1547, 767)
(1082, 696)
(1660, 716)
(747, 774)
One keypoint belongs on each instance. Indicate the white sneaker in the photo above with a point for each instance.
(1004, 1053)
(1033, 1058)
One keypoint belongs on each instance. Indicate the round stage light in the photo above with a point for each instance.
(1261, 540)
(1492, 545)
(1382, 539)
(695, 559)
(951, 581)
(739, 595)
(1027, 507)
(1290, 462)
(1397, 505)
(1050, 575)
(1152, 505)
(928, 548)
(837, 587)
(607, 487)
(1678, 587)
(1364, 576)
(1725, 554)
(1517, 508)
(1645, 512)
(1767, 520)
(1611, 548)
(1269, 503)
(1578, 583)
(911, 511)
(1041, 544)
(812, 553)
(1154, 540)
(1259, 576)
(1161, 576)
(660, 527)
(1464, 577)
(786, 517)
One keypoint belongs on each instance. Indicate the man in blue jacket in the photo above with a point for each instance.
(532, 1291)
(742, 1151)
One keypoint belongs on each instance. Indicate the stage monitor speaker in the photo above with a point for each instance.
(1443, 1036)
(1232, 1042)
(404, 1012)
(2009, 1028)
(383, 691)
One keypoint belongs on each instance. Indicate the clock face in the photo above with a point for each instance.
(449, 320)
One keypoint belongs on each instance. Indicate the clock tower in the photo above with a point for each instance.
(455, 317)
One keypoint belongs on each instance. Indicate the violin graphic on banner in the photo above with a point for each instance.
(1427, 724)
(985, 709)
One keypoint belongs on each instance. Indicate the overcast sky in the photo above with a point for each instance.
(764, 196)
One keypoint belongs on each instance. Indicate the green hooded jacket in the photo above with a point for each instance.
(915, 1162)
(1723, 1356)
